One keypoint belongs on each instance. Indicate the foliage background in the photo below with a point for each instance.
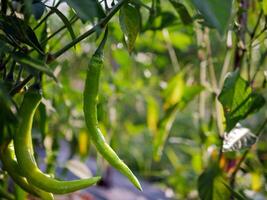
(158, 103)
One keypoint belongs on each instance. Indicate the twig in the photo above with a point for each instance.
(21, 85)
(241, 41)
(171, 50)
(100, 25)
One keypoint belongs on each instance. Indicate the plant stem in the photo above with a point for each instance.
(171, 50)
(72, 20)
(241, 33)
(45, 18)
(21, 85)
(99, 25)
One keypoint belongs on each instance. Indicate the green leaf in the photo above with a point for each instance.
(190, 92)
(130, 22)
(215, 12)
(38, 9)
(211, 184)
(4, 48)
(152, 114)
(174, 91)
(264, 6)
(33, 63)
(182, 11)
(177, 95)
(238, 99)
(163, 20)
(87, 10)
(18, 30)
(65, 21)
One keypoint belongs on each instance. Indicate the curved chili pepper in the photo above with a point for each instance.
(12, 168)
(25, 158)
(90, 95)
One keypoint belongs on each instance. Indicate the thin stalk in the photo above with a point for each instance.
(171, 50)
(21, 85)
(225, 67)
(72, 21)
(102, 23)
(45, 17)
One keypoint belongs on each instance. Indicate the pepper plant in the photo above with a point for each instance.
(180, 99)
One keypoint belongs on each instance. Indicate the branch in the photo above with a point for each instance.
(241, 33)
(102, 23)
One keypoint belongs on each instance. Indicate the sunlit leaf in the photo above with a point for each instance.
(215, 12)
(264, 6)
(174, 91)
(84, 143)
(152, 114)
(130, 23)
(238, 99)
(238, 138)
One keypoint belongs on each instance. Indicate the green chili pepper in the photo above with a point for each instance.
(90, 95)
(11, 166)
(25, 158)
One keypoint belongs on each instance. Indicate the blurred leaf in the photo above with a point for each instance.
(130, 22)
(79, 169)
(20, 31)
(152, 114)
(65, 21)
(38, 9)
(5, 194)
(33, 63)
(264, 6)
(8, 111)
(182, 11)
(4, 48)
(87, 9)
(176, 97)
(215, 12)
(190, 92)
(84, 143)
(238, 99)
(211, 184)
(163, 20)
(237, 195)
(256, 181)
(174, 91)
(44, 35)
(238, 138)
(20, 194)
